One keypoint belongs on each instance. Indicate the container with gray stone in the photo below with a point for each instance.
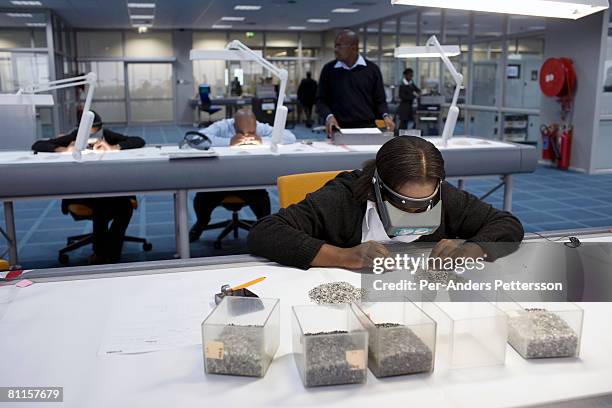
(241, 336)
(402, 338)
(544, 329)
(330, 346)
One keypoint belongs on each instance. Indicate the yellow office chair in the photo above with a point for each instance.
(234, 204)
(83, 212)
(293, 189)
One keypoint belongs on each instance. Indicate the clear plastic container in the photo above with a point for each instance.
(241, 336)
(469, 334)
(330, 346)
(544, 329)
(402, 338)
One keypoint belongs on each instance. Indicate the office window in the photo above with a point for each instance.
(151, 45)
(99, 44)
(488, 25)
(372, 46)
(281, 40)
(525, 57)
(606, 99)
(110, 111)
(280, 45)
(311, 40)
(109, 97)
(18, 69)
(408, 30)
(209, 40)
(457, 27)
(389, 37)
(210, 73)
(524, 24)
(150, 92)
(15, 38)
(387, 69)
(252, 39)
(487, 74)
(111, 78)
(431, 24)
(150, 80)
(40, 38)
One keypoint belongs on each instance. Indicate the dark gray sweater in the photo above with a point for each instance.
(332, 215)
(356, 97)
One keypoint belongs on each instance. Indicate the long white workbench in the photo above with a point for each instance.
(57, 333)
(150, 170)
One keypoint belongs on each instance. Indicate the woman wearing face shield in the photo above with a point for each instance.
(402, 195)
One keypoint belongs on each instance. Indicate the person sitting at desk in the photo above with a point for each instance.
(341, 224)
(107, 242)
(243, 129)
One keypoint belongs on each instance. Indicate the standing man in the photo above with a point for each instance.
(307, 94)
(408, 91)
(351, 93)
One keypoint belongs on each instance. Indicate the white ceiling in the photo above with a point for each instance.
(203, 14)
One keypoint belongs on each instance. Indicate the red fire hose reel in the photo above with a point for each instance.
(558, 80)
(557, 77)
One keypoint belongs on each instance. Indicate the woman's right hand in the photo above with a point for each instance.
(358, 257)
(363, 255)
(62, 149)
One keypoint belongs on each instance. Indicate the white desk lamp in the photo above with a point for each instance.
(88, 116)
(433, 49)
(236, 50)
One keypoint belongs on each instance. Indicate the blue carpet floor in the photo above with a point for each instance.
(546, 200)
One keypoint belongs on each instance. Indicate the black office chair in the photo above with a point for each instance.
(206, 104)
(264, 109)
(234, 204)
(81, 212)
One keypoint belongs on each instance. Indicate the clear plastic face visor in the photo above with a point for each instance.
(402, 215)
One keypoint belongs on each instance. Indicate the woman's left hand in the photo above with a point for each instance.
(453, 249)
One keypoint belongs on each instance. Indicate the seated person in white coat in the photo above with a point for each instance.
(243, 129)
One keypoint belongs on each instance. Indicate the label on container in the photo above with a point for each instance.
(214, 350)
(355, 359)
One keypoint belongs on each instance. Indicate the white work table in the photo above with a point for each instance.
(152, 170)
(56, 334)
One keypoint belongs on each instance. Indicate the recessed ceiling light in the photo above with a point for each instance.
(345, 10)
(141, 5)
(232, 18)
(296, 27)
(25, 3)
(142, 16)
(247, 7)
(222, 26)
(318, 20)
(36, 24)
(19, 15)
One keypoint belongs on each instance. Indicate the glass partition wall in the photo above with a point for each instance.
(36, 48)
(500, 61)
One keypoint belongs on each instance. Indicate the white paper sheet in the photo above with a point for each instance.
(155, 325)
(361, 131)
